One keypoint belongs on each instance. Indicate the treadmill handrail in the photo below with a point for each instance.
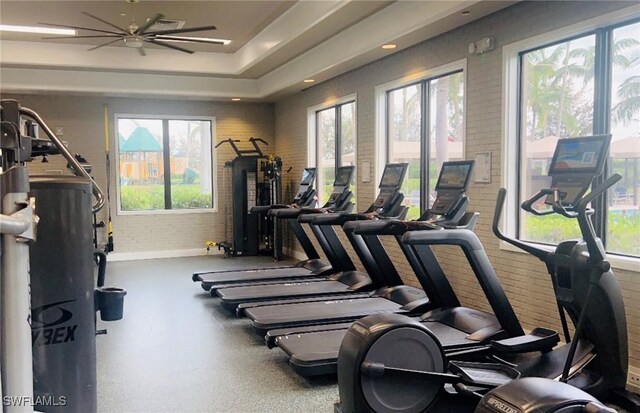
(481, 266)
(339, 218)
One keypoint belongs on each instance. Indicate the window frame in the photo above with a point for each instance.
(214, 164)
(382, 111)
(312, 131)
(602, 27)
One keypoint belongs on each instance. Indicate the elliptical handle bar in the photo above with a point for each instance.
(596, 253)
(78, 169)
(536, 252)
(528, 204)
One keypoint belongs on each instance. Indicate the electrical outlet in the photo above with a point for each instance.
(634, 377)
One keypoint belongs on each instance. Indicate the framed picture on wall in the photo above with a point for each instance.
(483, 167)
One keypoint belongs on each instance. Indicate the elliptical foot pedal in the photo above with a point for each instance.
(540, 339)
(483, 374)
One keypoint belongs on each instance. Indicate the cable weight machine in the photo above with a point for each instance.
(48, 294)
(248, 188)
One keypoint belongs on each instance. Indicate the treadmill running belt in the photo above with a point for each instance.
(276, 316)
(286, 289)
(262, 274)
(317, 353)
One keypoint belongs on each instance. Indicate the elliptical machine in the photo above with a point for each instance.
(48, 316)
(391, 363)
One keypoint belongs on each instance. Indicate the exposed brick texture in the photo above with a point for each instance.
(524, 278)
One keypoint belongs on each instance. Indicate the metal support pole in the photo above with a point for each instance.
(16, 225)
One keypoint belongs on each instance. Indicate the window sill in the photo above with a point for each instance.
(167, 212)
(618, 262)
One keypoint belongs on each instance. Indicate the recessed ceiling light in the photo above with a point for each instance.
(466, 13)
(38, 30)
(235, 99)
(389, 46)
(123, 14)
(308, 80)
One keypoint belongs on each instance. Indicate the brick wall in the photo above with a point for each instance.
(524, 278)
(82, 120)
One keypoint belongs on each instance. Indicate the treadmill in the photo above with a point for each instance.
(340, 200)
(313, 350)
(398, 298)
(348, 283)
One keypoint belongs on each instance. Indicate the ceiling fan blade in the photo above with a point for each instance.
(83, 37)
(184, 30)
(187, 39)
(104, 44)
(149, 23)
(141, 51)
(105, 22)
(66, 26)
(170, 46)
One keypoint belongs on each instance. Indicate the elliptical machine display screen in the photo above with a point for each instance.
(574, 164)
(580, 155)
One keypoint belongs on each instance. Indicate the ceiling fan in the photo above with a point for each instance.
(135, 36)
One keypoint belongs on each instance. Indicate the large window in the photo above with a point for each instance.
(164, 163)
(581, 86)
(335, 144)
(425, 127)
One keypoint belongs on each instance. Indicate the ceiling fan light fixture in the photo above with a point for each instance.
(133, 41)
(170, 38)
(38, 30)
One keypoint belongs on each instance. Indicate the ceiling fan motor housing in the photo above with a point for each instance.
(133, 41)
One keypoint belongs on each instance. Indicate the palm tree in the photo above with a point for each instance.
(629, 95)
(557, 105)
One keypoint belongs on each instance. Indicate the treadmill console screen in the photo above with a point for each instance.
(575, 162)
(390, 183)
(453, 181)
(393, 175)
(455, 175)
(308, 175)
(341, 183)
(343, 176)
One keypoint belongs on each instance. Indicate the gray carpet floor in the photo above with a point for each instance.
(178, 350)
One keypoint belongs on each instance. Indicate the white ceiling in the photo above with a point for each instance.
(275, 45)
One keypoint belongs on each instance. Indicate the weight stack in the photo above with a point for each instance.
(62, 296)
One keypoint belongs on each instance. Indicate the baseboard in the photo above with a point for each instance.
(150, 255)
(295, 253)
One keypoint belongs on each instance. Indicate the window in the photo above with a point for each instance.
(335, 144)
(164, 163)
(578, 86)
(431, 110)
